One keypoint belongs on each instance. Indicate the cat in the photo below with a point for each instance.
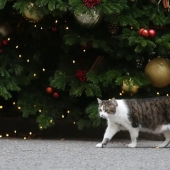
(147, 115)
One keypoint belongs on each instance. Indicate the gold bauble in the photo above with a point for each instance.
(32, 12)
(89, 19)
(158, 72)
(128, 86)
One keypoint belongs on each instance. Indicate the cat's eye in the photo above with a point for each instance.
(100, 110)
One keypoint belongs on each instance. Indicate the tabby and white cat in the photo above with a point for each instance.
(147, 115)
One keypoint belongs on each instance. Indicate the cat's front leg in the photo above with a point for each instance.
(110, 132)
(134, 132)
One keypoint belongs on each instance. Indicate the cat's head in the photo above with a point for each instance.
(107, 108)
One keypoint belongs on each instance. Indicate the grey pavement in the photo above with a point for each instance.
(19, 154)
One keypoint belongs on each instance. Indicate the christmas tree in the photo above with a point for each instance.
(58, 56)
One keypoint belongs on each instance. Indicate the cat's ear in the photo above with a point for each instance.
(113, 100)
(99, 101)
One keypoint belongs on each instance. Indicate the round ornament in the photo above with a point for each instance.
(33, 13)
(5, 29)
(129, 87)
(152, 33)
(49, 90)
(158, 72)
(89, 19)
(55, 95)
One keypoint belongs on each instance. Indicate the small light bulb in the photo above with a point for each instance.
(120, 94)
(84, 50)
(167, 94)
(40, 127)
(56, 21)
(8, 39)
(74, 61)
(20, 56)
(0, 136)
(43, 69)
(30, 133)
(51, 121)
(28, 60)
(19, 107)
(15, 131)
(157, 93)
(67, 28)
(39, 110)
(62, 116)
(13, 103)
(68, 111)
(34, 75)
(7, 135)
(74, 123)
(41, 28)
(1, 107)
(35, 25)
(17, 46)
(25, 138)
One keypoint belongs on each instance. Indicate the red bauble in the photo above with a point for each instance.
(54, 29)
(49, 90)
(145, 33)
(91, 3)
(5, 42)
(152, 33)
(56, 95)
(140, 30)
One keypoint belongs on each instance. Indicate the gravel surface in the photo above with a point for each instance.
(18, 154)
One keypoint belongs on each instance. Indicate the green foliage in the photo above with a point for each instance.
(58, 45)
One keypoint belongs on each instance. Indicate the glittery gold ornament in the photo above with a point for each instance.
(89, 19)
(33, 13)
(158, 72)
(129, 86)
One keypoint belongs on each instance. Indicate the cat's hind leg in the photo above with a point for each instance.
(134, 132)
(167, 139)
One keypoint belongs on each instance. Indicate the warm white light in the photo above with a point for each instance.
(74, 61)
(39, 110)
(34, 75)
(8, 39)
(28, 60)
(167, 94)
(56, 21)
(7, 135)
(51, 121)
(120, 94)
(34, 105)
(43, 69)
(19, 107)
(40, 127)
(74, 123)
(1, 107)
(0, 136)
(30, 133)
(13, 103)
(41, 28)
(15, 131)
(25, 138)
(62, 116)
(68, 111)
(20, 56)
(157, 93)
(35, 25)
(84, 50)
(17, 46)
(67, 28)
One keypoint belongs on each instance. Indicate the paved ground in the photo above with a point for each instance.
(18, 154)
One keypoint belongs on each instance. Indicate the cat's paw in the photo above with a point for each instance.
(132, 145)
(99, 145)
